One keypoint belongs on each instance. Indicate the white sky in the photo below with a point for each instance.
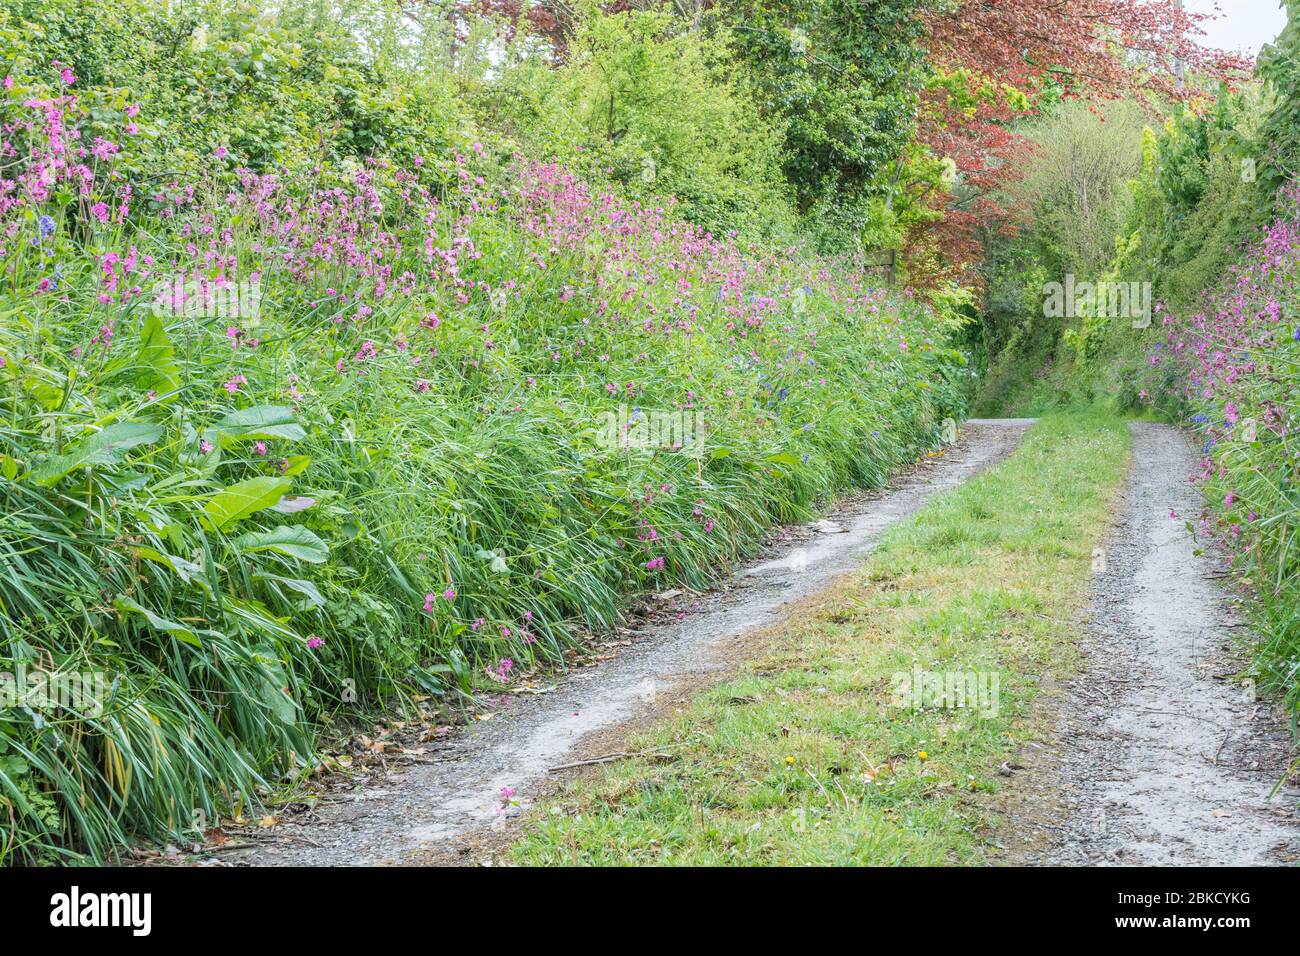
(1243, 26)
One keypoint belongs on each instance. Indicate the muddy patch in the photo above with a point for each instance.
(483, 778)
(1164, 755)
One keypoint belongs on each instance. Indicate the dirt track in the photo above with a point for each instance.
(1164, 756)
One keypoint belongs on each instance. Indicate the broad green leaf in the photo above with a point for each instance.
(251, 616)
(306, 588)
(243, 499)
(101, 447)
(294, 541)
(179, 631)
(157, 358)
(50, 396)
(278, 700)
(296, 464)
(495, 559)
(186, 570)
(258, 422)
(275, 687)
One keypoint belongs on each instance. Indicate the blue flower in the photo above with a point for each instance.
(46, 225)
(1296, 334)
(1199, 419)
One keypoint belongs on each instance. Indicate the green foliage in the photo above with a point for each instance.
(1075, 188)
(843, 77)
(757, 119)
(653, 107)
(287, 85)
(1178, 202)
(1199, 197)
(1076, 195)
(1279, 64)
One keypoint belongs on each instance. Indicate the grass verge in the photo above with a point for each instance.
(835, 747)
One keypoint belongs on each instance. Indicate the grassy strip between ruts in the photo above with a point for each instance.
(817, 753)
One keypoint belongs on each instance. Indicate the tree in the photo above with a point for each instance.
(1075, 185)
(844, 76)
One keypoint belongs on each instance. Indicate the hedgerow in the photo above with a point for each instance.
(278, 451)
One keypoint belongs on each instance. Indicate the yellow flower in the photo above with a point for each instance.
(789, 761)
(923, 755)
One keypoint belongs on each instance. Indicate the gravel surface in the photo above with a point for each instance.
(1164, 755)
(434, 808)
